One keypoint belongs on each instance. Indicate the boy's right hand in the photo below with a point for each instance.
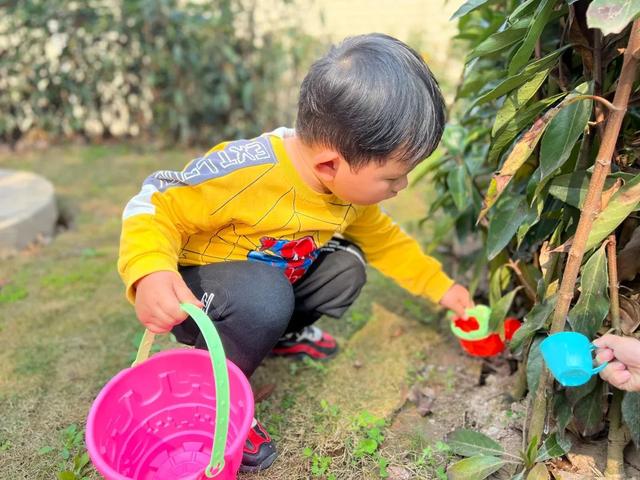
(158, 299)
(623, 355)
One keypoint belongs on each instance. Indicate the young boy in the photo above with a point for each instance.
(269, 234)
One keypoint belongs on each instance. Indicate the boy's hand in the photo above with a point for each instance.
(158, 298)
(457, 299)
(623, 355)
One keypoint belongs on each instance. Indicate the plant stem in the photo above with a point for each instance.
(520, 386)
(597, 78)
(613, 284)
(528, 289)
(601, 100)
(587, 216)
(617, 439)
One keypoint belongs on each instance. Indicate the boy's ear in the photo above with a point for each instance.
(326, 164)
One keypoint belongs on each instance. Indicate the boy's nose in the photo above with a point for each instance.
(402, 184)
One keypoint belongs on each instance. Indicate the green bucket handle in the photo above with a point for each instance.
(221, 379)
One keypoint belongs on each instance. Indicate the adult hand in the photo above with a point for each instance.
(623, 355)
(457, 299)
(158, 298)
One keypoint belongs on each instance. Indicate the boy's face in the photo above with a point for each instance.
(371, 183)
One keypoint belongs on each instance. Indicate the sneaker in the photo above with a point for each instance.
(310, 341)
(259, 450)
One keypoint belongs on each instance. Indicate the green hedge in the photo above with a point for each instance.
(167, 69)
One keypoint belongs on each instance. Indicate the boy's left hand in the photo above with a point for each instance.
(457, 299)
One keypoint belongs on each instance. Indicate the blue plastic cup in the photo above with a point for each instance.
(568, 356)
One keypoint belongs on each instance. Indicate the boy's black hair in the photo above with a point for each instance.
(371, 98)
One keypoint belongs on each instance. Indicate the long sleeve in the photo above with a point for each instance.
(155, 224)
(389, 249)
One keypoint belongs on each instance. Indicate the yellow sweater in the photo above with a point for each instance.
(244, 200)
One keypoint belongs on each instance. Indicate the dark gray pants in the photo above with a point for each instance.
(253, 304)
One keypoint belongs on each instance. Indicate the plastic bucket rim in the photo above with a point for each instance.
(113, 474)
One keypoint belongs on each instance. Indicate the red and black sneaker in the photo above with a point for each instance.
(259, 450)
(310, 341)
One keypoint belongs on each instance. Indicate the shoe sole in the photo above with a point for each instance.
(266, 463)
(302, 355)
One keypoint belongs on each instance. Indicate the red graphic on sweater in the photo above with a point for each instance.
(293, 256)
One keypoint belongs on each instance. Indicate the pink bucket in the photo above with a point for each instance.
(157, 420)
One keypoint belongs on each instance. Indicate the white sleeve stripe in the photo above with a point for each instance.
(141, 203)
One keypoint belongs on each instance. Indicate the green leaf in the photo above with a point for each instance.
(366, 446)
(431, 163)
(459, 184)
(454, 138)
(563, 132)
(575, 394)
(631, 415)
(67, 475)
(572, 187)
(474, 468)
(468, 443)
(538, 472)
(532, 451)
(519, 476)
(45, 450)
(588, 412)
(553, 447)
(516, 159)
(515, 81)
(510, 213)
(517, 100)
(467, 7)
(500, 309)
(523, 9)
(621, 204)
(533, 322)
(593, 305)
(611, 16)
(540, 20)
(80, 461)
(562, 412)
(522, 120)
(534, 364)
(475, 80)
(500, 40)
(499, 279)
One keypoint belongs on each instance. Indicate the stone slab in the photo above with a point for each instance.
(27, 209)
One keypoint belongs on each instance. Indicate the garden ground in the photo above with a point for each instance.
(66, 329)
(385, 404)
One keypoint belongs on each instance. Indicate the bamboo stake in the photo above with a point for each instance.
(617, 439)
(613, 284)
(587, 216)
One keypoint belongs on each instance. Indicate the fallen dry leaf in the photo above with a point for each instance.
(398, 473)
(397, 332)
(629, 315)
(424, 397)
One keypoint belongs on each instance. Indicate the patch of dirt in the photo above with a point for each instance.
(460, 402)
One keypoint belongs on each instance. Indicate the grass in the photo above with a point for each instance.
(66, 328)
